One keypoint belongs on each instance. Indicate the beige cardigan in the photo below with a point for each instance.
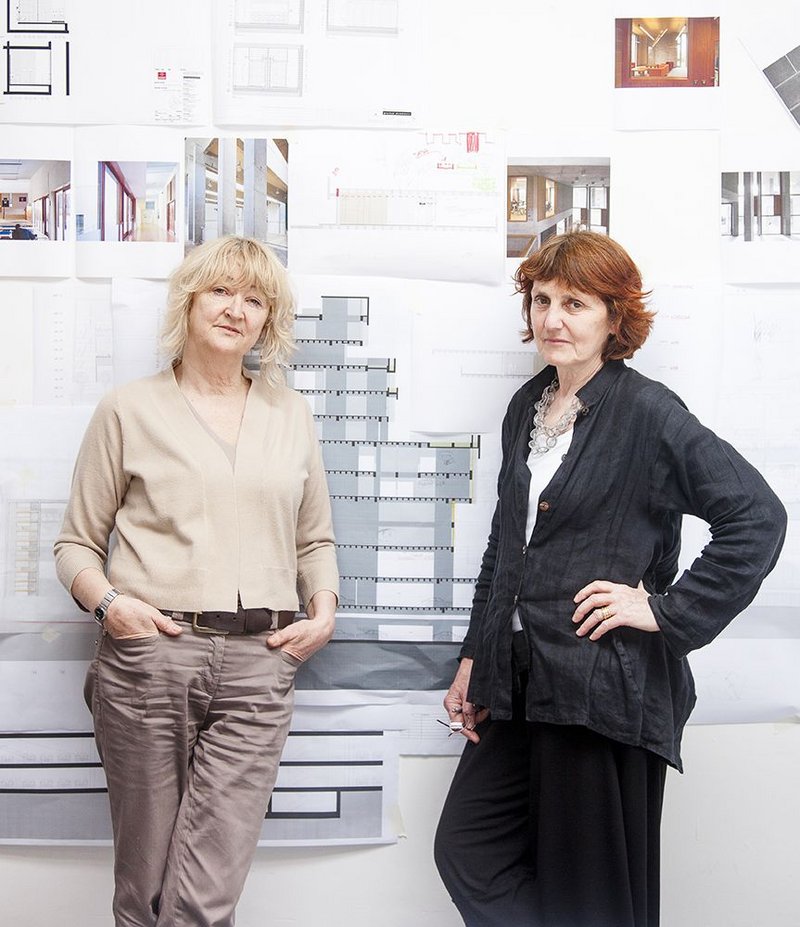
(191, 531)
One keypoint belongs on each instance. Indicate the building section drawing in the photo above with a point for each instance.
(274, 15)
(70, 368)
(380, 17)
(33, 525)
(268, 69)
(36, 16)
(32, 504)
(393, 500)
(431, 195)
(73, 359)
(444, 184)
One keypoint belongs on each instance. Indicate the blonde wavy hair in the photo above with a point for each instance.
(242, 263)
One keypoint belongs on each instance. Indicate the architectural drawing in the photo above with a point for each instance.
(330, 785)
(392, 500)
(379, 17)
(35, 67)
(273, 15)
(29, 68)
(316, 62)
(432, 196)
(36, 16)
(270, 69)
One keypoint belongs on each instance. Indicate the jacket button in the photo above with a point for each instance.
(524, 549)
(544, 506)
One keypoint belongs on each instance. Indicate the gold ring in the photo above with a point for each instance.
(604, 613)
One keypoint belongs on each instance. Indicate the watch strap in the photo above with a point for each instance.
(101, 610)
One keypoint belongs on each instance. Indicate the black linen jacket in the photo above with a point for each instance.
(637, 462)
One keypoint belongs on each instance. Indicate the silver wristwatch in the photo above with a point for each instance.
(102, 609)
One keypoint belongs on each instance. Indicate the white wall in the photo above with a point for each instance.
(731, 844)
(731, 848)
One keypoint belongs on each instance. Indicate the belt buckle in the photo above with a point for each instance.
(203, 630)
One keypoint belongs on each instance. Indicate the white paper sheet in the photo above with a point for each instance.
(35, 162)
(144, 163)
(403, 205)
(90, 69)
(305, 63)
(469, 358)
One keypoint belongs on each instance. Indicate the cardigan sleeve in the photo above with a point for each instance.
(699, 474)
(316, 550)
(98, 487)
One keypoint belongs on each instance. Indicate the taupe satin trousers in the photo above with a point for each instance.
(190, 731)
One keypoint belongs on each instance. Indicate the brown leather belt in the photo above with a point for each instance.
(245, 621)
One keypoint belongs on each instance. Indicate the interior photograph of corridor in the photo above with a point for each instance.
(34, 200)
(237, 186)
(667, 52)
(132, 201)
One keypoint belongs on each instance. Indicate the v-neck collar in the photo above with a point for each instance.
(230, 450)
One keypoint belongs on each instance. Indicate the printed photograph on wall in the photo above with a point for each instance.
(761, 206)
(238, 186)
(133, 201)
(671, 51)
(784, 76)
(548, 198)
(34, 200)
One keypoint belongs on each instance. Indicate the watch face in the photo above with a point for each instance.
(102, 608)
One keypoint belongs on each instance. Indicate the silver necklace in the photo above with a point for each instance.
(544, 437)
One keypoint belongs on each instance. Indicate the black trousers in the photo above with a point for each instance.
(552, 826)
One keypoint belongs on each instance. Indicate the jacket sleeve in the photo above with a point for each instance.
(699, 474)
(314, 539)
(489, 560)
(98, 488)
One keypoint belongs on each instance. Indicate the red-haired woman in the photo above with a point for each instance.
(573, 686)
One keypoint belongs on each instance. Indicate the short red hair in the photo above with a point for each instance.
(597, 266)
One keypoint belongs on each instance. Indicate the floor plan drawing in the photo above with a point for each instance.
(36, 16)
(35, 67)
(29, 69)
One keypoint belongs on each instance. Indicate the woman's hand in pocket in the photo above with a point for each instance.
(129, 618)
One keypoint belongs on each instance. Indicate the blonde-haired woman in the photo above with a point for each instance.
(212, 480)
